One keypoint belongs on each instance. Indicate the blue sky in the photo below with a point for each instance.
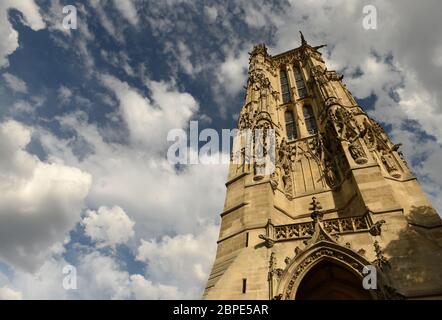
(84, 116)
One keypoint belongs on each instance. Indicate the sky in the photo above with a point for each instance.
(85, 113)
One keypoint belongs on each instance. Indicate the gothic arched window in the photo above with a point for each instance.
(310, 121)
(285, 86)
(300, 84)
(290, 126)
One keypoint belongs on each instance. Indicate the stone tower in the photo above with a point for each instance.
(340, 204)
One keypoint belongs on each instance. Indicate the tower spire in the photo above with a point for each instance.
(303, 42)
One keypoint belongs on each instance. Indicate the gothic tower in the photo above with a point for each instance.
(341, 203)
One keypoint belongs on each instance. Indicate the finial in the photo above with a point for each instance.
(303, 42)
(259, 49)
(315, 207)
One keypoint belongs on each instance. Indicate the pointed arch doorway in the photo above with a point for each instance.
(328, 280)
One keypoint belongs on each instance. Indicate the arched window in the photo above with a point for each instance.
(285, 86)
(290, 126)
(310, 121)
(300, 84)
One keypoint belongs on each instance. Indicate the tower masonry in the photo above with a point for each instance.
(341, 203)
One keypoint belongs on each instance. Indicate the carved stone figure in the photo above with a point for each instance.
(390, 164)
(324, 85)
(245, 122)
(345, 124)
(284, 163)
(329, 154)
(357, 153)
(375, 229)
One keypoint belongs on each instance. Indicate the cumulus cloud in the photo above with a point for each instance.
(102, 277)
(9, 43)
(183, 260)
(40, 201)
(142, 181)
(7, 293)
(149, 120)
(137, 176)
(14, 83)
(108, 226)
(144, 289)
(97, 276)
(233, 72)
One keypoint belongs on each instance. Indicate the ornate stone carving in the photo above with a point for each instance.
(263, 144)
(344, 122)
(259, 49)
(268, 242)
(333, 75)
(375, 229)
(262, 91)
(284, 168)
(381, 261)
(316, 255)
(375, 137)
(330, 156)
(323, 82)
(332, 226)
(287, 59)
(245, 121)
(357, 152)
(390, 164)
(315, 208)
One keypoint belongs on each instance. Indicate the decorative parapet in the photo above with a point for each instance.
(305, 230)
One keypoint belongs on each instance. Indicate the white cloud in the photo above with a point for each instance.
(211, 13)
(232, 73)
(140, 179)
(107, 23)
(7, 293)
(108, 226)
(64, 94)
(44, 283)
(9, 41)
(127, 9)
(14, 83)
(150, 120)
(144, 289)
(22, 106)
(184, 260)
(98, 276)
(143, 184)
(40, 201)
